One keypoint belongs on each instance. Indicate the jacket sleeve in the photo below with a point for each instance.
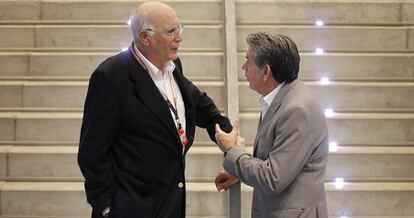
(206, 112)
(101, 120)
(290, 150)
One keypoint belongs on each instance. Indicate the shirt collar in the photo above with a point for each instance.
(267, 99)
(152, 69)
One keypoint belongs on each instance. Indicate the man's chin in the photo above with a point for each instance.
(173, 57)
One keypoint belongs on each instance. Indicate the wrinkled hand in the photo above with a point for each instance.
(225, 141)
(224, 180)
(241, 142)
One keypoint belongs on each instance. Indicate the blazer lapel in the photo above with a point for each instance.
(149, 94)
(274, 106)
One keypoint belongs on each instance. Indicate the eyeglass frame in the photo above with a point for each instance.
(171, 33)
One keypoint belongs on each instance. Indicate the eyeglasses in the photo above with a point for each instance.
(171, 33)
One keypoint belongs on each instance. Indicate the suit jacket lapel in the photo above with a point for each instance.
(256, 139)
(149, 94)
(274, 106)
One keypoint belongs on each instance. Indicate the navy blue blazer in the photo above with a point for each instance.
(130, 153)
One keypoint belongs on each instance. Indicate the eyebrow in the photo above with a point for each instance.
(174, 27)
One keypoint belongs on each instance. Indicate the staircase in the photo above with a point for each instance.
(49, 48)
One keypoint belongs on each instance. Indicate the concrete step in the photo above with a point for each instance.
(40, 126)
(59, 163)
(308, 38)
(78, 36)
(331, 12)
(280, 11)
(31, 163)
(371, 127)
(63, 143)
(352, 199)
(248, 216)
(388, 66)
(342, 95)
(29, 216)
(109, 11)
(55, 94)
(337, 38)
(43, 199)
(355, 66)
(82, 64)
(70, 94)
(370, 163)
(202, 144)
(352, 127)
(350, 163)
(348, 127)
(336, 95)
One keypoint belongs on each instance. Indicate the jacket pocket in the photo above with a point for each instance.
(287, 213)
(125, 207)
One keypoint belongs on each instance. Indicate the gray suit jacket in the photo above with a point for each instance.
(287, 170)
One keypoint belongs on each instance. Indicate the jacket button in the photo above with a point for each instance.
(180, 185)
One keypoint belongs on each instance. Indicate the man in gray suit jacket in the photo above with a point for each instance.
(287, 169)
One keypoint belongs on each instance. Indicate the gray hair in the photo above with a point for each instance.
(140, 21)
(277, 51)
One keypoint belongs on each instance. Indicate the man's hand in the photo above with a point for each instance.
(241, 142)
(225, 140)
(224, 180)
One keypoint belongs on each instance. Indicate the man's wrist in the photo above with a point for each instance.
(227, 150)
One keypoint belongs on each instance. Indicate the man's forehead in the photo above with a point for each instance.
(159, 14)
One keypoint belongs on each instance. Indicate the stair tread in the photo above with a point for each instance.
(110, 49)
(102, 52)
(245, 115)
(213, 150)
(327, 52)
(307, 79)
(41, 149)
(205, 143)
(17, 216)
(218, 83)
(356, 115)
(212, 25)
(205, 186)
(247, 110)
(26, 81)
(41, 115)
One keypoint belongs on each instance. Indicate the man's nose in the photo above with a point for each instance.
(178, 38)
(244, 68)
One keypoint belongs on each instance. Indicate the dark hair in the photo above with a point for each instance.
(279, 52)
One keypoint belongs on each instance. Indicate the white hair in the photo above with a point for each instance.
(140, 21)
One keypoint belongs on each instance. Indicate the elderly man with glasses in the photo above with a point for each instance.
(139, 122)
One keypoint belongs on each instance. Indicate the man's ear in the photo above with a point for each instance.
(267, 72)
(144, 37)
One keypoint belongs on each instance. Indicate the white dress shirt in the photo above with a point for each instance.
(165, 82)
(266, 100)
